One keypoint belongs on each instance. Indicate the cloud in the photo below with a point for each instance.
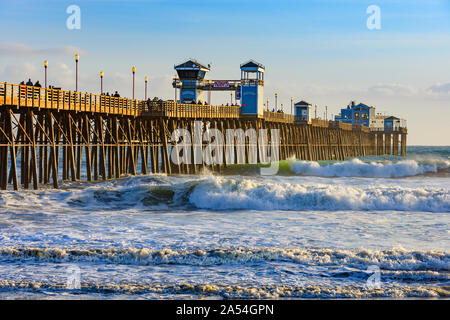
(392, 89)
(439, 88)
(21, 49)
(18, 72)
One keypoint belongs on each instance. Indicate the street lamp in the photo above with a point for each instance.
(133, 70)
(267, 104)
(231, 98)
(292, 108)
(146, 81)
(276, 101)
(101, 82)
(326, 112)
(45, 68)
(77, 57)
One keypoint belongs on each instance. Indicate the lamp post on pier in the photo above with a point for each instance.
(292, 106)
(267, 104)
(146, 82)
(276, 102)
(133, 70)
(77, 57)
(101, 82)
(45, 68)
(231, 98)
(326, 112)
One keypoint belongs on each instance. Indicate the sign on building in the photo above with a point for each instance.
(221, 84)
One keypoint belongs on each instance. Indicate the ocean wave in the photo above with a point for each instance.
(220, 193)
(246, 194)
(374, 169)
(234, 291)
(388, 260)
(226, 193)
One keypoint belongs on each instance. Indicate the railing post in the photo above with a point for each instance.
(4, 93)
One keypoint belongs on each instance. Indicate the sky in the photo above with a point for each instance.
(319, 51)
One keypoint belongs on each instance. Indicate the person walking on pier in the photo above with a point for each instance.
(37, 85)
(28, 90)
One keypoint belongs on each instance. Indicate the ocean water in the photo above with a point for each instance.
(373, 227)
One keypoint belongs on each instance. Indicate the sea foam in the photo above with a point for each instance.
(397, 259)
(359, 168)
(247, 194)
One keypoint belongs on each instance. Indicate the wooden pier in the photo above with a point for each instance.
(48, 136)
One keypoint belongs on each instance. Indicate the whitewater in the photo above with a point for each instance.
(314, 230)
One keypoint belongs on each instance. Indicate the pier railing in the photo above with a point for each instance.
(171, 109)
(278, 117)
(320, 123)
(50, 98)
(340, 125)
(396, 129)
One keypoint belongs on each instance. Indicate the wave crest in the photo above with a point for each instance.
(393, 259)
(359, 168)
(236, 194)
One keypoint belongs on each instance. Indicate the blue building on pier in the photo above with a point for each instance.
(360, 114)
(252, 88)
(191, 76)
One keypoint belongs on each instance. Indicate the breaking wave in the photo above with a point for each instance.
(374, 169)
(389, 260)
(231, 194)
(219, 193)
(232, 291)
(404, 273)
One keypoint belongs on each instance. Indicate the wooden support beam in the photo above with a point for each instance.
(403, 144)
(71, 148)
(13, 150)
(53, 151)
(87, 138)
(31, 133)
